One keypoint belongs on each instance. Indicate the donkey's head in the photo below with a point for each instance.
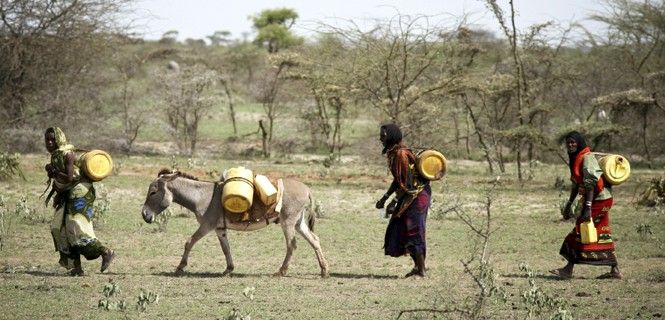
(159, 196)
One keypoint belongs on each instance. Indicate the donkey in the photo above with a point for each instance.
(204, 199)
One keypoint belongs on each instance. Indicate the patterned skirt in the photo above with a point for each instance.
(71, 226)
(407, 233)
(600, 253)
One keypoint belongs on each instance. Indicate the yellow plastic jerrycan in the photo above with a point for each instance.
(96, 164)
(616, 168)
(588, 232)
(431, 164)
(238, 189)
(266, 190)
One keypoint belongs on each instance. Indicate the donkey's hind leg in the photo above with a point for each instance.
(290, 237)
(200, 233)
(224, 242)
(313, 240)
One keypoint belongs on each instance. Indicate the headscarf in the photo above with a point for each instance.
(60, 139)
(581, 144)
(393, 136)
(58, 159)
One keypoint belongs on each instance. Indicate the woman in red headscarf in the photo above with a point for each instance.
(588, 182)
(406, 230)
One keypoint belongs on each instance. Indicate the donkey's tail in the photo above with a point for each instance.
(314, 210)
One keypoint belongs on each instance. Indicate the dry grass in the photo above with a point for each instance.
(364, 284)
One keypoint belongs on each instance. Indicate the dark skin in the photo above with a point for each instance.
(567, 271)
(51, 171)
(382, 202)
(571, 146)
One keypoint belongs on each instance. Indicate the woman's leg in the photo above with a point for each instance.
(564, 273)
(96, 249)
(76, 258)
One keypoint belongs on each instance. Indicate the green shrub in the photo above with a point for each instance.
(102, 205)
(10, 166)
(5, 222)
(654, 194)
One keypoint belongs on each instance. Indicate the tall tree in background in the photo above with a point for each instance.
(269, 95)
(47, 48)
(637, 35)
(273, 27)
(320, 70)
(219, 38)
(401, 63)
(129, 67)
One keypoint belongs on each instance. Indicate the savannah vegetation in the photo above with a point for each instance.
(309, 108)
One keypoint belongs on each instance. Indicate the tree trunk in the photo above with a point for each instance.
(645, 121)
(227, 90)
(264, 139)
(481, 140)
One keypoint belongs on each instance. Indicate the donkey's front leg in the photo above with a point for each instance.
(200, 233)
(224, 242)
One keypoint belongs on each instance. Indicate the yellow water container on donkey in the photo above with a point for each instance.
(238, 189)
(616, 168)
(96, 164)
(266, 189)
(588, 232)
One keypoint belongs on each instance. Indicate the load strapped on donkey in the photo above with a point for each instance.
(238, 191)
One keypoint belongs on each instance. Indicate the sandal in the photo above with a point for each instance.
(76, 272)
(561, 274)
(107, 257)
(610, 275)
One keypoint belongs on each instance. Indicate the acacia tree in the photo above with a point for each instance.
(329, 89)
(270, 87)
(47, 49)
(273, 27)
(129, 67)
(243, 60)
(403, 62)
(219, 38)
(188, 98)
(637, 36)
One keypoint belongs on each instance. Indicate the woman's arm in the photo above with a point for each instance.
(588, 200)
(68, 174)
(381, 203)
(567, 211)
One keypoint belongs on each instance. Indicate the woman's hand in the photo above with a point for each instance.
(567, 210)
(382, 202)
(50, 170)
(586, 212)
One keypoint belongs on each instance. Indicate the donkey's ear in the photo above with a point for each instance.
(164, 171)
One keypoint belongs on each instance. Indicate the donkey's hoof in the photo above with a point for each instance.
(227, 272)
(179, 272)
(325, 274)
(280, 273)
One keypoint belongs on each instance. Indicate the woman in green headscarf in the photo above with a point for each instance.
(71, 227)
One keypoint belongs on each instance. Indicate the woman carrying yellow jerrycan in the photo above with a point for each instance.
(71, 227)
(582, 245)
